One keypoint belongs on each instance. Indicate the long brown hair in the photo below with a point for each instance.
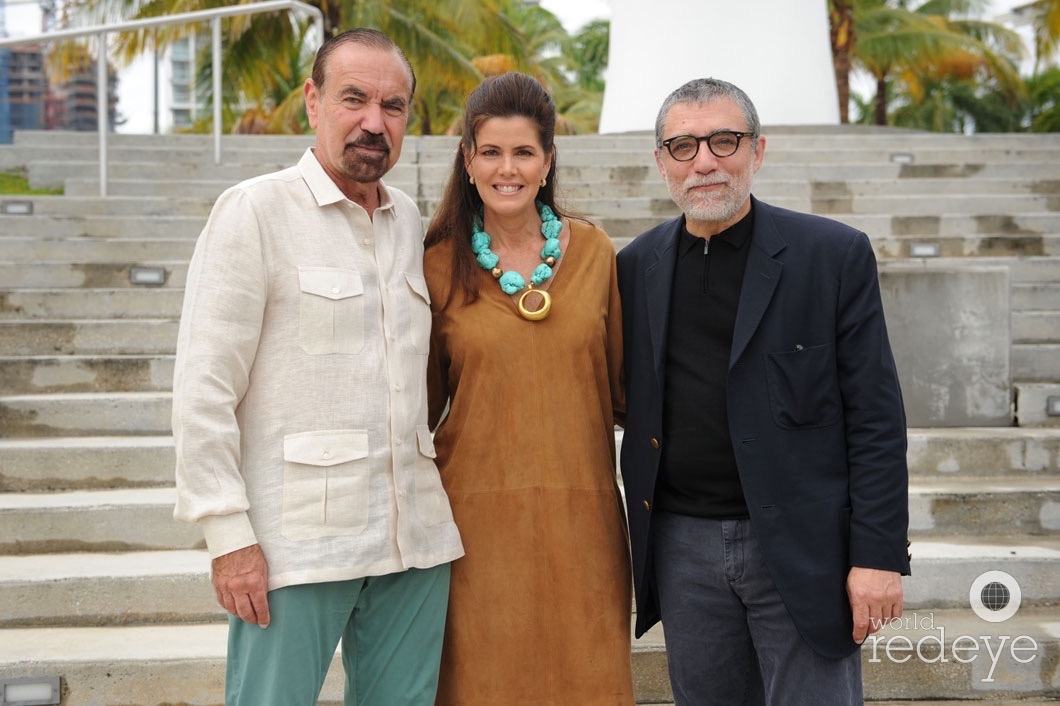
(508, 95)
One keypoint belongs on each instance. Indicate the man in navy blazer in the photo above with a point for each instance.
(764, 447)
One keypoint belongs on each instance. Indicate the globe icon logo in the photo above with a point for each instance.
(995, 596)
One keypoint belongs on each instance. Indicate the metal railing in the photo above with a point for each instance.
(214, 16)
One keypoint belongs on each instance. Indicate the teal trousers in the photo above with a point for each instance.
(391, 630)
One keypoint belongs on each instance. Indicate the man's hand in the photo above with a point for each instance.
(241, 582)
(875, 598)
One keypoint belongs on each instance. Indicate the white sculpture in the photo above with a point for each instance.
(778, 51)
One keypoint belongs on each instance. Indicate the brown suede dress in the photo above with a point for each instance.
(539, 608)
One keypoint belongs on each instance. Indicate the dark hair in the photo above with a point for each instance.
(505, 96)
(366, 37)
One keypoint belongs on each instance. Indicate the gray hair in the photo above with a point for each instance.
(701, 91)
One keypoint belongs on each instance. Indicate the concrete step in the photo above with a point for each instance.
(970, 454)
(87, 337)
(930, 204)
(206, 188)
(92, 373)
(1013, 511)
(86, 414)
(185, 663)
(1036, 326)
(170, 141)
(129, 302)
(92, 251)
(957, 234)
(963, 455)
(93, 521)
(42, 173)
(913, 660)
(1028, 506)
(97, 589)
(625, 170)
(68, 205)
(908, 205)
(1035, 404)
(944, 568)
(640, 168)
(155, 587)
(198, 153)
(1036, 295)
(1036, 362)
(107, 226)
(953, 654)
(644, 181)
(79, 275)
(41, 465)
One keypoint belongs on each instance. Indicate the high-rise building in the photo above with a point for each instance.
(27, 87)
(33, 104)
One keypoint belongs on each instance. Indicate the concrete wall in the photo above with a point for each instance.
(949, 329)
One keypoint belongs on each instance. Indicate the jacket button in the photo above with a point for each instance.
(647, 506)
(655, 443)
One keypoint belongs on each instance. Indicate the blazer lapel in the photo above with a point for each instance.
(658, 278)
(760, 280)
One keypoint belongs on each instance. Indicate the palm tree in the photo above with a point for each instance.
(841, 33)
(1046, 19)
(919, 47)
(442, 34)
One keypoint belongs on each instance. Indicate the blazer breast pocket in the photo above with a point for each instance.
(330, 311)
(804, 387)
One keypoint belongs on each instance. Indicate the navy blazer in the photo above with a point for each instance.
(815, 412)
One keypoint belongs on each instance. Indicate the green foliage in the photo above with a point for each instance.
(15, 183)
(452, 44)
(938, 67)
(588, 54)
(1043, 113)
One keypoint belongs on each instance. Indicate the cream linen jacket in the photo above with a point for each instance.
(299, 400)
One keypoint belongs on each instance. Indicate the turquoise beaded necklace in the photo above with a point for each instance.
(511, 281)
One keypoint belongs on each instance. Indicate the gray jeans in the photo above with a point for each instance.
(729, 639)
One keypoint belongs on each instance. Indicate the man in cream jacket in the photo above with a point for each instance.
(300, 411)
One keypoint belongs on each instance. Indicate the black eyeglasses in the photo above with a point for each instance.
(721, 143)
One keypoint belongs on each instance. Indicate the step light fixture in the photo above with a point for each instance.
(1052, 406)
(925, 249)
(147, 275)
(29, 691)
(16, 208)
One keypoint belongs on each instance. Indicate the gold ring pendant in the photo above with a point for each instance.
(537, 315)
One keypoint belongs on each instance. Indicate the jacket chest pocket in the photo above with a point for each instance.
(804, 387)
(326, 483)
(330, 311)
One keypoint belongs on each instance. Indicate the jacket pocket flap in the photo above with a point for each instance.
(325, 448)
(419, 285)
(330, 282)
(426, 441)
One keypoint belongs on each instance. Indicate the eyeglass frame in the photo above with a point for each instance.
(707, 138)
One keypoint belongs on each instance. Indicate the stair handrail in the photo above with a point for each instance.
(214, 16)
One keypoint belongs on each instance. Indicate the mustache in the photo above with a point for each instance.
(376, 142)
(694, 182)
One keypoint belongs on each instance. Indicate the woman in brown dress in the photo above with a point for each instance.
(524, 375)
